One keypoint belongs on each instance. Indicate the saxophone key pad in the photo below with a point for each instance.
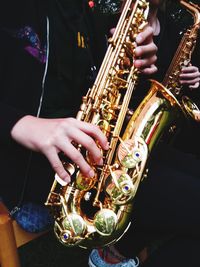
(130, 153)
(105, 221)
(70, 229)
(120, 187)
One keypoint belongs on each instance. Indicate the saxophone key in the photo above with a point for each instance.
(130, 153)
(120, 187)
(105, 222)
(85, 183)
(70, 229)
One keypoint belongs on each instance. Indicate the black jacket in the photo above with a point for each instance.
(27, 37)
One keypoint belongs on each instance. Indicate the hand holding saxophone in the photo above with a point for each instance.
(190, 76)
(145, 51)
(51, 136)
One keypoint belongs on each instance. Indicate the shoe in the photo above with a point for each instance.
(95, 260)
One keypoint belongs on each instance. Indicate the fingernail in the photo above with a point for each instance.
(138, 63)
(138, 39)
(91, 173)
(107, 146)
(61, 181)
(101, 162)
(138, 51)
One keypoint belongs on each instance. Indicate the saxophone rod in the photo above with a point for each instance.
(111, 59)
(108, 56)
(193, 9)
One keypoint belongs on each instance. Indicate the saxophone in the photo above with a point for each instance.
(165, 104)
(94, 212)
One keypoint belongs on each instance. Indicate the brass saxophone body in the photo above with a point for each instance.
(165, 105)
(94, 212)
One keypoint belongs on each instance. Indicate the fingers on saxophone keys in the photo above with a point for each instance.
(150, 70)
(61, 174)
(146, 57)
(100, 137)
(78, 159)
(146, 51)
(96, 133)
(190, 69)
(88, 142)
(145, 35)
(146, 65)
(189, 75)
(195, 86)
(191, 82)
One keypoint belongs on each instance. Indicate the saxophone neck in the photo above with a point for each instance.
(194, 10)
(184, 51)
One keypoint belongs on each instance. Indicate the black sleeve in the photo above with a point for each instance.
(19, 72)
(8, 118)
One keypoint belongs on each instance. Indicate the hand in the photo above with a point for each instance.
(146, 51)
(51, 136)
(190, 76)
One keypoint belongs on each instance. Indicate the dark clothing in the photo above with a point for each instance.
(178, 251)
(39, 61)
(67, 28)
